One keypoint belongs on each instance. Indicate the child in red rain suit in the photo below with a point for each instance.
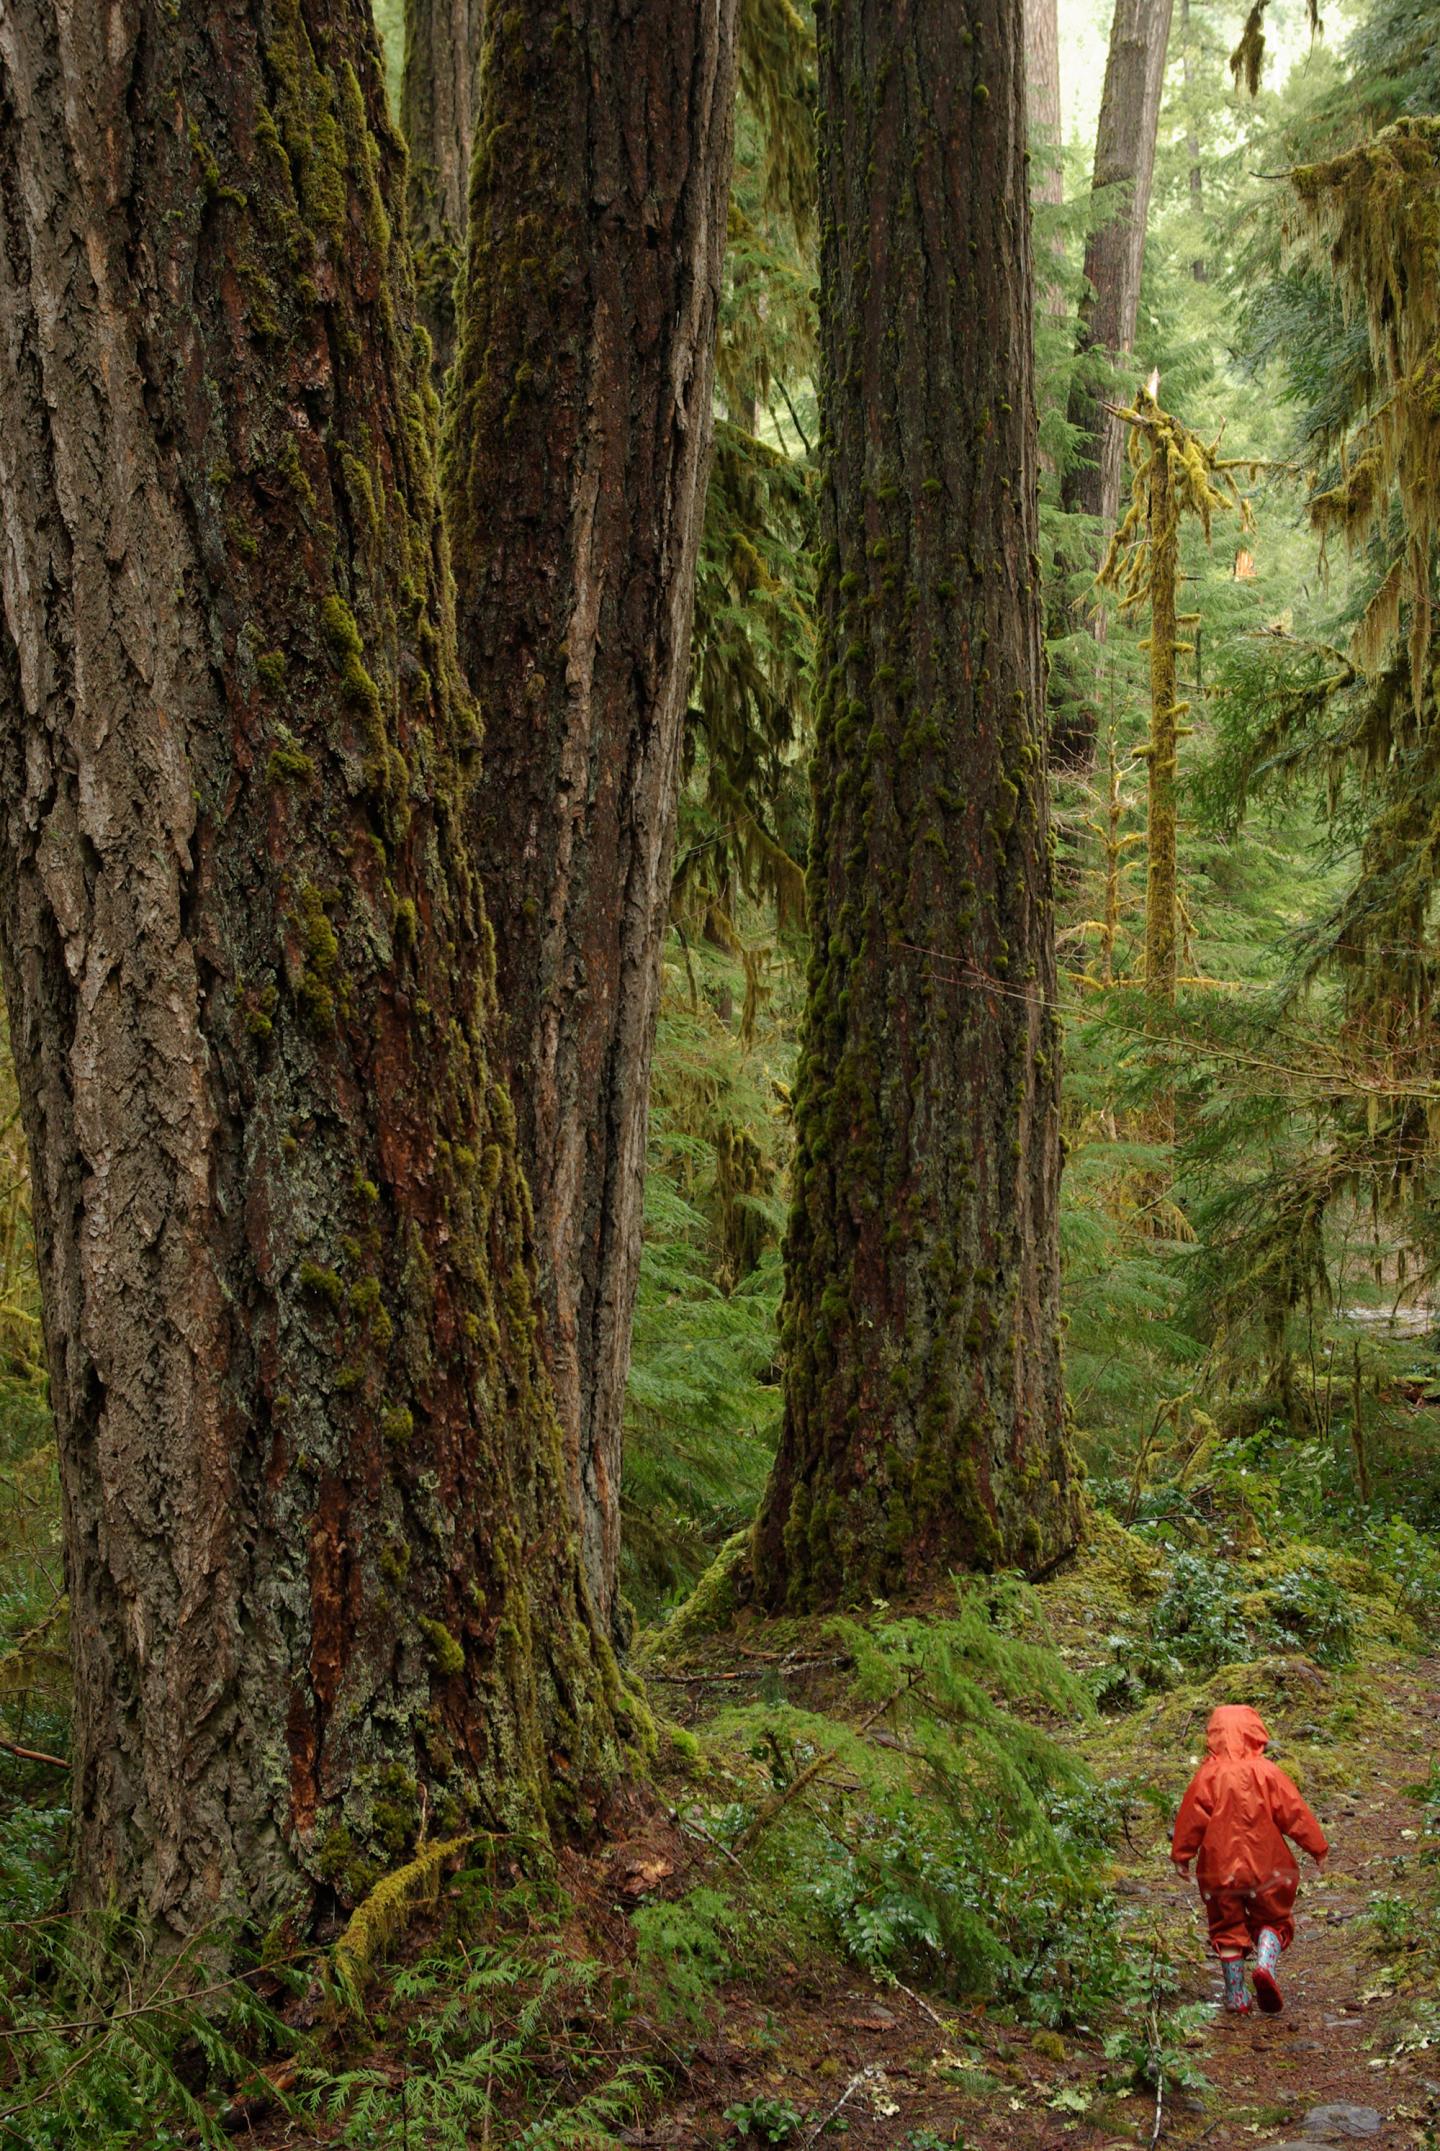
(1237, 1813)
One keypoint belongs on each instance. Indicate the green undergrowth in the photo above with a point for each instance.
(899, 1795)
(489, 2024)
(953, 1797)
(703, 1399)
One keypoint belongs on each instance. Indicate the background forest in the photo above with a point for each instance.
(1250, 1228)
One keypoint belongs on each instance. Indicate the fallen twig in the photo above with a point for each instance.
(863, 2076)
(698, 1829)
(921, 2003)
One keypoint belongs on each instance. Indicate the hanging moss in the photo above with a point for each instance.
(1374, 215)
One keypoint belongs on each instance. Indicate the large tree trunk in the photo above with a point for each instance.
(439, 100)
(924, 1414)
(1115, 251)
(317, 1543)
(577, 453)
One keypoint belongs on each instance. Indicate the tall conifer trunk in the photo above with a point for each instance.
(1042, 93)
(578, 447)
(924, 1415)
(318, 1549)
(1043, 108)
(1115, 250)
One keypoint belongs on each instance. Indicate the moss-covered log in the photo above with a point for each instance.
(320, 1560)
(924, 1413)
(577, 448)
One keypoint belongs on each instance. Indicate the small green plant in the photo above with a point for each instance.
(1138, 1667)
(1395, 1921)
(766, 2121)
(1152, 2048)
(1305, 1609)
(1197, 1615)
(683, 1951)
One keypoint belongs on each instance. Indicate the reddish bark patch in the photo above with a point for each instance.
(304, 1741)
(329, 1596)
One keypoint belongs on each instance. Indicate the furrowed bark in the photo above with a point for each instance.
(1115, 250)
(924, 1413)
(317, 1542)
(439, 98)
(577, 449)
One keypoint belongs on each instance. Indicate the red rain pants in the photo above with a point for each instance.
(1237, 1915)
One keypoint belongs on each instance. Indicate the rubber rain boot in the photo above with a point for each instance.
(1267, 1987)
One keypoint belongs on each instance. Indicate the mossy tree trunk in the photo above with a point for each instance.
(577, 450)
(1115, 250)
(439, 99)
(317, 1542)
(1162, 885)
(924, 1415)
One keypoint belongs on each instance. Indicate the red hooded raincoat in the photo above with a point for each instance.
(1236, 1815)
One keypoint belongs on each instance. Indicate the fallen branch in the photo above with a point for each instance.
(921, 2003)
(33, 1755)
(698, 1829)
(812, 1770)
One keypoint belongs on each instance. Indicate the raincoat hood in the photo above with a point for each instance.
(1234, 1731)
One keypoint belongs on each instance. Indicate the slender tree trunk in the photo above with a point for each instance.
(1198, 269)
(924, 1414)
(317, 1542)
(578, 448)
(439, 99)
(1042, 90)
(1115, 251)
(1162, 879)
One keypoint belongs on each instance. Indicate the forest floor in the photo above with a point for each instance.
(902, 2071)
(691, 1976)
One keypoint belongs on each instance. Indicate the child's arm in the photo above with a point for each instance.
(1294, 1817)
(1193, 1819)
